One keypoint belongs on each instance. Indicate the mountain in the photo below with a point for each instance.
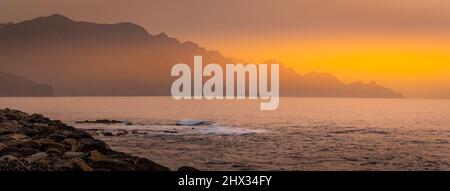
(89, 59)
(315, 84)
(12, 85)
(60, 27)
(5, 24)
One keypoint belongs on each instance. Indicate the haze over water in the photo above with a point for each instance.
(303, 134)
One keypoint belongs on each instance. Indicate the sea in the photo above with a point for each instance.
(323, 134)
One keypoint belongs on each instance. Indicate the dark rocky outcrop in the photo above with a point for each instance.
(105, 121)
(34, 142)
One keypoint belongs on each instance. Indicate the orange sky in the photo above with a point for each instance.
(404, 45)
(418, 66)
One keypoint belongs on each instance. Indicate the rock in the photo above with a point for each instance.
(3, 118)
(16, 154)
(13, 137)
(14, 114)
(34, 142)
(171, 132)
(96, 156)
(27, 144)
(37, 118)
(46, 145)
(31, 132)
(135, 132)
(112, 165)
(64, 165)
(8, 157)
(120, 132)
(5, 130)
(27, 151)
(57, 137)
(41, 128)
(72, 154)
(44, 162)
(107, 134)
(187, 169)
(89, 144)
(78, 135)
(71, 142)
(102, 121)
(54, 152)
(10, 151)
(81, 165)
(147, 165)
(7, 127)
(23, 165)
(2, 146)
(37, 156)
(18, 136)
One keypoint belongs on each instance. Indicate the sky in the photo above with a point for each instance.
(401, 44)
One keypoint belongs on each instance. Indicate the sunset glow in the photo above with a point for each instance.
(403, 45)
(416, 65)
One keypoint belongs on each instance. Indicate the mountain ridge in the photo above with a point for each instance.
(13, 85)
(82, 58)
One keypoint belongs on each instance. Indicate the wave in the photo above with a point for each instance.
(200, 128)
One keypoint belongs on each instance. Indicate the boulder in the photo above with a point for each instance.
(54, 152)
(78, 135)
(3, 118)
(112, 165)
(26, 143)
(13, 137)
(57, 137)
(2, 146)
(7, 157)
(188, 169)
(81, 165)
(10, 151)
(14, 114)
(72, 154)
(7, 127)
(89, 144)
(96, 156)
(37, 156)
(107, 133)
(102, 121)
(34, 142)
(46, 145)
(25, 151)
(144, 164)
(71, 143)
(37, 118)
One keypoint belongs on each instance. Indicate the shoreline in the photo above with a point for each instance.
(36, 143)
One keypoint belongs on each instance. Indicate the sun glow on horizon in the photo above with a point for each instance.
(418, 66)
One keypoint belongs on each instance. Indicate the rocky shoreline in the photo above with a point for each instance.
(36, 143)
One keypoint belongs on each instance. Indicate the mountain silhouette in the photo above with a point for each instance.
(123, 59)
(12, 85)
(5, 24)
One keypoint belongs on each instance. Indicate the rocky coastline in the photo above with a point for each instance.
(36, 143)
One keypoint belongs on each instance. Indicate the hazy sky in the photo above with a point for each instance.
(404, 44)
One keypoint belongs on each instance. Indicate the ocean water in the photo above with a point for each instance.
(303, 134)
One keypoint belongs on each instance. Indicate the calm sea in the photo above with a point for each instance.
(303, 134)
